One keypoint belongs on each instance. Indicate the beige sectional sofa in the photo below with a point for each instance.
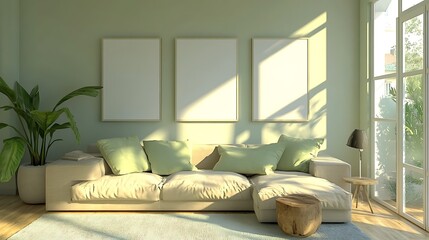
(89, 185)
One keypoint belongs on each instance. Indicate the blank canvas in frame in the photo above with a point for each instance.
(131, 79)
(280, 80)
(206, 80)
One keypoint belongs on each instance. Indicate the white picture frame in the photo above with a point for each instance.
(279, 80)
(206, 80)
(131, 79)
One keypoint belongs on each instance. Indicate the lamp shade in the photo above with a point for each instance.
(357, 139)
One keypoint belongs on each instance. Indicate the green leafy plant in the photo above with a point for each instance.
(36, 128)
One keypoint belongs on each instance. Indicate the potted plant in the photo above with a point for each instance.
(35, 131)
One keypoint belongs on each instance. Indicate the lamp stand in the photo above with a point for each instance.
(360, 162)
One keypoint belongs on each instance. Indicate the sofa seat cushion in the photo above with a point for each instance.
(134, 186)
(266, 188)
(206, 185)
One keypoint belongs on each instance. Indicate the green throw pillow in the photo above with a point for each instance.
(253, 160)
(298, 153)
(124, 155)
(168, 157)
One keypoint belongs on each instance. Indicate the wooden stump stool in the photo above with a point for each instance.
(299, 214)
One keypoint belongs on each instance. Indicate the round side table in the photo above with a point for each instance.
(361, 184)
(299, 214)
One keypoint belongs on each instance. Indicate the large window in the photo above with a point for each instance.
(412, 134)
(398, 86)
(384, 100)
(385, 14)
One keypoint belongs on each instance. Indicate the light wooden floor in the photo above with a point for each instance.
(15, 215)
(382, 225)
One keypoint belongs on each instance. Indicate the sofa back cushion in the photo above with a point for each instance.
(168, 157)
(298, 153)
(205, 156)
(124, 155)
(261, 159)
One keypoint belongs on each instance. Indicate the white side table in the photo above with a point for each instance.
(361, 184)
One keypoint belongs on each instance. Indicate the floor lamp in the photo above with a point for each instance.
(357, 140)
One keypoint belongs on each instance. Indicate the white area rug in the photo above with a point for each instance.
(174, 226)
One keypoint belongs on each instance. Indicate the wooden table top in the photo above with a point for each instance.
(361, 180)
(298, 200)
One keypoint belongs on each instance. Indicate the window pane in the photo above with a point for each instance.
(409, 3)
(413, 129)
(414, 194)
(385, 161)
(385, 13)
(413, 44)
(385, 98)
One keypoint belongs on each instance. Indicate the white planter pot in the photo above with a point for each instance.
(31, 184)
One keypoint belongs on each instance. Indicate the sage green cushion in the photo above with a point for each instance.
(253, 160)
(168, 157)
(124, 155)
(298, 153)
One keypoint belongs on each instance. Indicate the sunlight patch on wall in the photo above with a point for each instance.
(316, 33)
(280, 80)
(243, 137)
(318, 86)
(202, 108)
(206, 80)
(206, 133)
(310, 27)
(159, 133)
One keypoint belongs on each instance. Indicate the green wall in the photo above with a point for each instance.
(9, 66)
(60, 50)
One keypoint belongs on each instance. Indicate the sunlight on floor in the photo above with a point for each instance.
(384, 224)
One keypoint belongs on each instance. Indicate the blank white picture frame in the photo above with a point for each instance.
(279, 80)
(206, 80)
(131, 79)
